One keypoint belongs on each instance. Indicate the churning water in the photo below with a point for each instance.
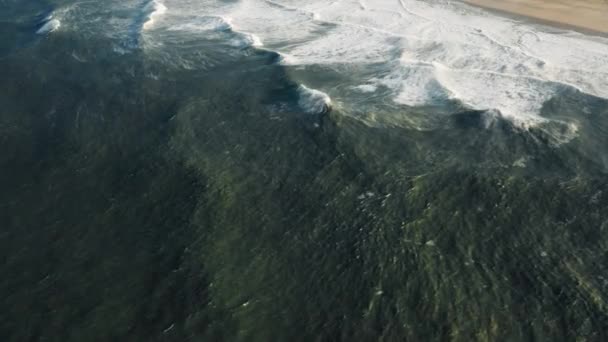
(282, 170)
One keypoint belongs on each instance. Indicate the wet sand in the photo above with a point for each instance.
(583, 15)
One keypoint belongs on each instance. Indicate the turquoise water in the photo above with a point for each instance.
(171, 185)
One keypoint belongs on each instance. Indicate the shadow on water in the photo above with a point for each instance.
(149, 203)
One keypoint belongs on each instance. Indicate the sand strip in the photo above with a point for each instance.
(582, 15)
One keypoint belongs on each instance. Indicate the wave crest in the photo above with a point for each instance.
(313, 101)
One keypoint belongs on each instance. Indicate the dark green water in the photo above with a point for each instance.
(141, 201)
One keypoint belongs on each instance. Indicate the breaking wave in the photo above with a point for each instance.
(433, 52)
(49, 26)
(313, 101)
(151, 11)
(48, 23)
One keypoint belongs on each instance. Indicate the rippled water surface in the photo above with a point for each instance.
(255, 170)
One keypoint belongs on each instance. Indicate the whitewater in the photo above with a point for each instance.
(397, 52)
(281, 170)
(424, 52)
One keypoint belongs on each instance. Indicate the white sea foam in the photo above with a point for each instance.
(286, 59)
(153, 9)
(433, 51)
(313, 101)
(206, 23)
(49, 25)
(246, 40)
(367, 88)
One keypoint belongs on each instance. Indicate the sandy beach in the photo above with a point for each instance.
(585, 15)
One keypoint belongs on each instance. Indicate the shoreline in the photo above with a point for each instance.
(584, 16)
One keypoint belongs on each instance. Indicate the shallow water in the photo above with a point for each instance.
(262, 171)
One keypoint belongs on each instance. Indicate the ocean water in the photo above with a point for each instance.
(249, 170)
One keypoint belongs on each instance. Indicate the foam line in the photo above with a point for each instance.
(206, 23)
(434, 51)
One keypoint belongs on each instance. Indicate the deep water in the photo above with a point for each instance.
(173, 187)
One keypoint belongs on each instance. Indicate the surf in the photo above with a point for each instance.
(48, 22)
(434, 52)
(151, 11)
